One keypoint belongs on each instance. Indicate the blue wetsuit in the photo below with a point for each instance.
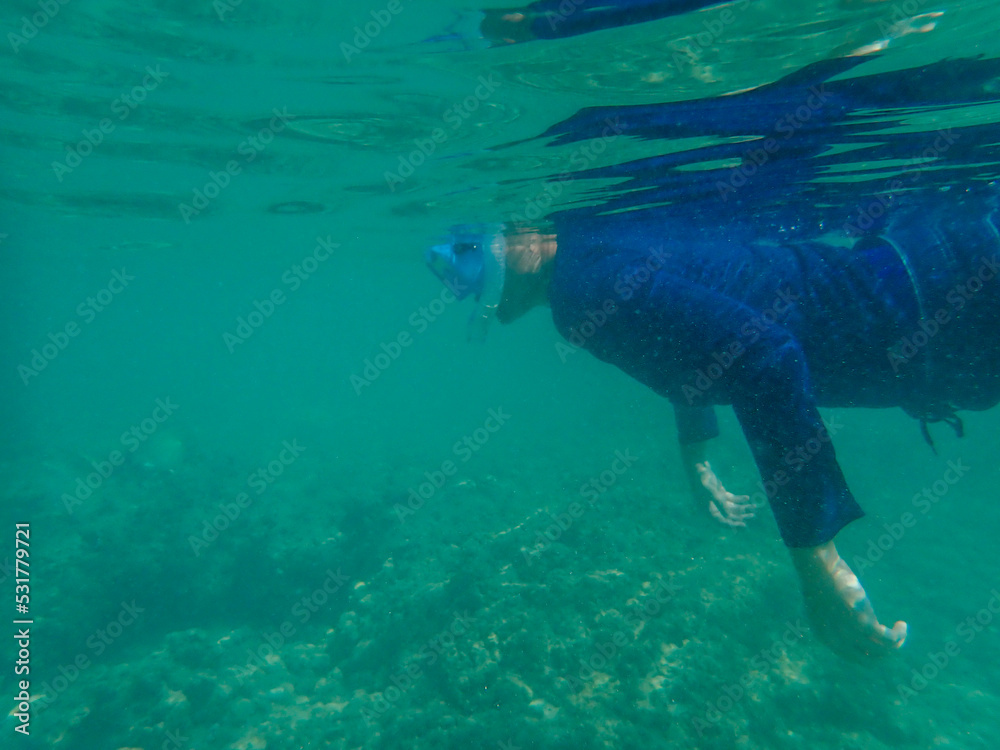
(908, 318)
(695, 424)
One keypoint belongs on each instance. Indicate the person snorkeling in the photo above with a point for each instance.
(775, 329)
(460, 265)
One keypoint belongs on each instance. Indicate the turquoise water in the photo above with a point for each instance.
(229, 372)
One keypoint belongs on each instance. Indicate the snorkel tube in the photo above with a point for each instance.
(494, 273)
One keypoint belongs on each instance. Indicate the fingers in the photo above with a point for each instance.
(734, 515)
(718, 515)
(737, 510)
(859, 640)
(882, 642)
(896, 636)
(842, 614)
(725, 507)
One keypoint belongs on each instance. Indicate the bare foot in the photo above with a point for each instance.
(838, 607)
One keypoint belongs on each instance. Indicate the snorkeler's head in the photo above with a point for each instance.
(473, 261)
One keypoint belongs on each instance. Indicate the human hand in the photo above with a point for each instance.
(838, 607)
(725, 507)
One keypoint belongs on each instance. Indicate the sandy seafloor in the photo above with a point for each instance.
(643, 625)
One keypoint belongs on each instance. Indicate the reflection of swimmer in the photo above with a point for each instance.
(558, 19)
(555, 19)
(775, 330)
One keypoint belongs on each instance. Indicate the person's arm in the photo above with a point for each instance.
(838, 606)
(695, 427)
(692, 456)
(769, 386)
(808, 493)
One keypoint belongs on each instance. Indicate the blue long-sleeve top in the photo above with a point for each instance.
(775, 331)
(695, 424)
